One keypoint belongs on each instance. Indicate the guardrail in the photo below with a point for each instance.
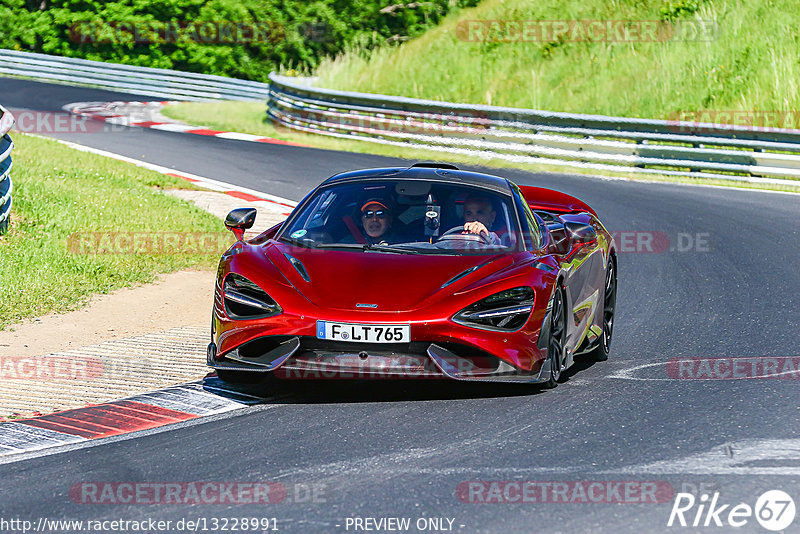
(161, 83)
(522, 135)
(6, 146)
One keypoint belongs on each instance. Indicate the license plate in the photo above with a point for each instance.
(364, 333)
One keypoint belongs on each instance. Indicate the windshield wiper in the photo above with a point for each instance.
(367, 247)
(347, 246)
(390, 248)
(307, 243)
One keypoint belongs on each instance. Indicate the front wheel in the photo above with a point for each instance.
(558, 338)
(600, 353)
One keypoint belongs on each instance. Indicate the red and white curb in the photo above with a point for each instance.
(141, 412)
(280, 204)
(148, 115)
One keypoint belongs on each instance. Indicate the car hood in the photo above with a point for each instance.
(382, 281)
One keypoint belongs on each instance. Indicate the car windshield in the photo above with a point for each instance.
(405, 216)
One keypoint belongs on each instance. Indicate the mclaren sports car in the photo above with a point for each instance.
(420, 272)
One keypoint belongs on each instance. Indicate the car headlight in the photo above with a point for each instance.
(505, 311)
(243, 299)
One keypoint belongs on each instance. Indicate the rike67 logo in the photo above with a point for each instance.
(774, 510)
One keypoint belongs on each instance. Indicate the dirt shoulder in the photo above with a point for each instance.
(177, 299)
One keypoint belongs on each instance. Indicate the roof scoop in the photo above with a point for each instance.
(427, 165)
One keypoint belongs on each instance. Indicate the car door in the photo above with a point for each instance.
(584, 268)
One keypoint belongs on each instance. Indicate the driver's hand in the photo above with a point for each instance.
(475, 227)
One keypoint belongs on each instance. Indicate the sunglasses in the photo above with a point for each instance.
(381, 214)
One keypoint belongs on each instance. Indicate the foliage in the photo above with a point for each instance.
(301, 33)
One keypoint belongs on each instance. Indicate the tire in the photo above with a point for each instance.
(558, 338)
(600, 353)
(239, 377)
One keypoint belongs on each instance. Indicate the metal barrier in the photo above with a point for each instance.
(522, 135)
(586, 141)
(6, 146)
(161, 83)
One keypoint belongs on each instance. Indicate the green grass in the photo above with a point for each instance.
(751, 64)
(246, 117)
(59, 191)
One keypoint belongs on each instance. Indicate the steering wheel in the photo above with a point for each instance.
(453, 234)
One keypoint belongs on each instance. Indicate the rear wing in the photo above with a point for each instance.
(539, 198)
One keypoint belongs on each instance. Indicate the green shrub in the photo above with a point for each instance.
(305, 32)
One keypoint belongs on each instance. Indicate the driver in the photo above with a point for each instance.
(479, 215)
(376, 219)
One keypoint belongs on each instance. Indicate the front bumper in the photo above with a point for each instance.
(304, 357)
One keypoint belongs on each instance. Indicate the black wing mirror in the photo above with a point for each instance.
(580, 233)
(239, 220)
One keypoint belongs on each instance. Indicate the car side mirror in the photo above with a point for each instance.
(239, 220)
(580, 233)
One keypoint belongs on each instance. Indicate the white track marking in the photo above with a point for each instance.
(627, 374)
(731, 459)
(173, 127)
(17, 437)
(208, 183)
(239, 136)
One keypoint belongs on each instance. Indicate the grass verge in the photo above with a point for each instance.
(59, 192)
(724, 55)
(249, 117)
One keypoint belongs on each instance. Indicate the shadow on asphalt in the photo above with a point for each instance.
(313, 391)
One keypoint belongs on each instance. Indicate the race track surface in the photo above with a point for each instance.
(401, 449)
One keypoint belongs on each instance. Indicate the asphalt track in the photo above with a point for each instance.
(401, 449)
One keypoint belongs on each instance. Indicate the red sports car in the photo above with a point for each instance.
(419, 272)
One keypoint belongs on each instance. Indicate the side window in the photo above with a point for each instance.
(541, 228)
(509, 237)
(531, 230)
(536, 228)
(524, 220)
(314, 215)
(320, 215)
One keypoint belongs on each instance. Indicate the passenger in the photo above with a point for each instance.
(376, 219)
